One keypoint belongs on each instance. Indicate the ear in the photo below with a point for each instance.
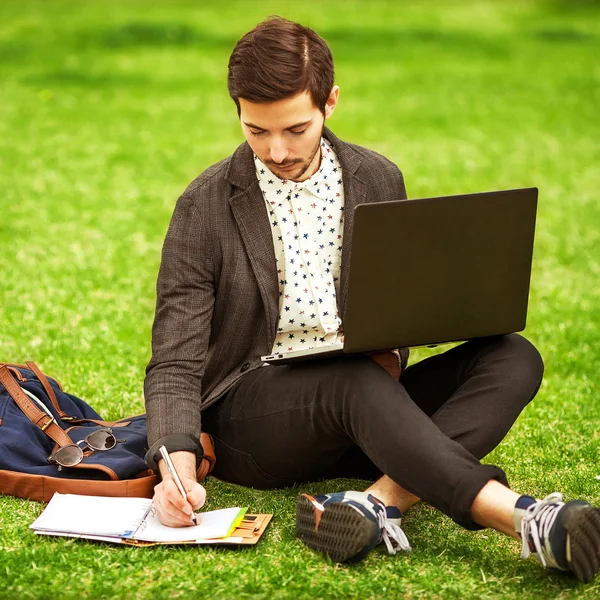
(332, 101)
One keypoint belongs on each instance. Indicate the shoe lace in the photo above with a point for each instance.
(537, 524)
(394, 538)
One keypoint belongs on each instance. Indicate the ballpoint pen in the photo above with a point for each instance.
(175, 476)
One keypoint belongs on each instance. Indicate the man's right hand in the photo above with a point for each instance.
(171, 508)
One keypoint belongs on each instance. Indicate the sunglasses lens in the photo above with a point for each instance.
(68, 456)
(101, 440)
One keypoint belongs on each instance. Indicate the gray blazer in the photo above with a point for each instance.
(217, 293)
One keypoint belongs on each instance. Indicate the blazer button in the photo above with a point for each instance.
(245, 367)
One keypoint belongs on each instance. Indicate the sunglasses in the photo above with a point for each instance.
(71, 455)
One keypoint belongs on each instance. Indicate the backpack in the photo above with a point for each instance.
(37, 418)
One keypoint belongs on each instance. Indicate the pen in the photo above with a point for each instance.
(175, 477)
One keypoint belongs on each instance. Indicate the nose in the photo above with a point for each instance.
(278, 150)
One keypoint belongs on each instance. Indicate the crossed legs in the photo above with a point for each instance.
(420, 438)
(282, 425)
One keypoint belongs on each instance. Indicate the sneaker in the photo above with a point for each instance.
(561, 536)
(346, 526)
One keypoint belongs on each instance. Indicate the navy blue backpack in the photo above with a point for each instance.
(52, 441)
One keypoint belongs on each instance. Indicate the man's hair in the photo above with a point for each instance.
(279, 59)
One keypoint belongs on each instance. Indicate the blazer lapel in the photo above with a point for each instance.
(250, 213)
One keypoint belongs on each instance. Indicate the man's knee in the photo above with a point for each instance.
(526, 363)
(523, 351)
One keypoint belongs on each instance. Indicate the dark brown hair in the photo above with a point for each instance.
(279, 59)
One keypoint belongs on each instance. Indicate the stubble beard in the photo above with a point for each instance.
(304, 165)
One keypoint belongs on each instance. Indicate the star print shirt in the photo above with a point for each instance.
(307, 226)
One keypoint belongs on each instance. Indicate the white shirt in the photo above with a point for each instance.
(307, 225)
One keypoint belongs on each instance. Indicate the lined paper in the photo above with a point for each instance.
(213, 524)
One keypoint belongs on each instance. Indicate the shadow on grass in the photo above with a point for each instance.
(354, 41)
(570, 7)
(385, 42)
(359, 44)
(565, 36)
(81, 78)
(14, 51)
(137, 34)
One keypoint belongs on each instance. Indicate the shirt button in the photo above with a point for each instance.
(245, 367)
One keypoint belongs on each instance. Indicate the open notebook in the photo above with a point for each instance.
(134, 521)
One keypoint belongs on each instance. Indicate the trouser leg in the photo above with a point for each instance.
(473, 393)
(286, 424)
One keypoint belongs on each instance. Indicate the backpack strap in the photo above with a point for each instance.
(78, 421)
(17, 373)
(49, 390)
(37, 416)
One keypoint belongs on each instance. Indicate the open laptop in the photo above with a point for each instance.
(434, 270)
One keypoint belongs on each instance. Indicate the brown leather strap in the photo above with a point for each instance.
(42, 488)
(36, 415)
(209, 458)
(17, 365)
(44, 381)
(77, 421)
(17, 373)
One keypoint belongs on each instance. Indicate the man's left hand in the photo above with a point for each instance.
(390, 361)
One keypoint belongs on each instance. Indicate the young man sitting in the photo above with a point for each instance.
(255, 260)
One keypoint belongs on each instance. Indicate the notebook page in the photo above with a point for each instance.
(213, 524)
(84, 536)
(94, 515)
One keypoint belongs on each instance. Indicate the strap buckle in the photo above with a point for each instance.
(47, 424)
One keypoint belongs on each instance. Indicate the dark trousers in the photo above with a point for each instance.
(347, 417)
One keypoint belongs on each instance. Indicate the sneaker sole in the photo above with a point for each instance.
(582, 524)
(341, 534)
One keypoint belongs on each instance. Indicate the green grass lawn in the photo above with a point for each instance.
(107, 111)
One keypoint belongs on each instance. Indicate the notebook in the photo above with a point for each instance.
(134, 520)
(434, 270)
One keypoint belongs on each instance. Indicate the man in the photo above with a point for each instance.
(255, 260)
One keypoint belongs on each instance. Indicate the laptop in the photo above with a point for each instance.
(435, 270)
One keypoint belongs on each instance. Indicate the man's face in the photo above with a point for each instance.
(286, 134)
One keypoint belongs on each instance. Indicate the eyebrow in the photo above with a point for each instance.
(253, 126)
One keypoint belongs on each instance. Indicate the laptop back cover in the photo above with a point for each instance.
(439, 269)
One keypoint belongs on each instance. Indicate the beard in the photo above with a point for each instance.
(303, 165)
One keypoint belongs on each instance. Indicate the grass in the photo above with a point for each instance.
(108, 110)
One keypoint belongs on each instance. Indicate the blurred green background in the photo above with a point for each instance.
(108, 109)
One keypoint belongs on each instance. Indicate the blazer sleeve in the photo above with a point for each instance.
(180, 334)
